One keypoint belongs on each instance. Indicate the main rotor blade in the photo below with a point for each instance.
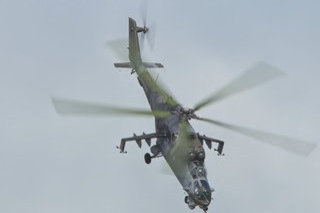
(296, 146)
(73, 107)
(119, 47)
(257, 75)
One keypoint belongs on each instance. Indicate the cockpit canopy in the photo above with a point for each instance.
(205, 185)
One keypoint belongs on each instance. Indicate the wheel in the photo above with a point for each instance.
(186, 199)
(147, 158)
(192, 207)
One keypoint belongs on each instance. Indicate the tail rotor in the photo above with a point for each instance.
(149, 30)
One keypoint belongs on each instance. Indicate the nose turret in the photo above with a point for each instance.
(199, 197)
(200, 193)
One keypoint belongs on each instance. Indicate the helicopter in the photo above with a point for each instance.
(175, 139)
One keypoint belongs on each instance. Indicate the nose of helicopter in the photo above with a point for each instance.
(202, 193)
(203, 196)
(204, 203)
(206, 198)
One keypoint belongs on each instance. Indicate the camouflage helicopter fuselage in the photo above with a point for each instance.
(176, 141)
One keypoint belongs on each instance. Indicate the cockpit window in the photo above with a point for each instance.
(205, 185)
(207, 190)
(207, 195)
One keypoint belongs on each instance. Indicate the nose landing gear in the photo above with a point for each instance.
(186, 199)
(205, 208)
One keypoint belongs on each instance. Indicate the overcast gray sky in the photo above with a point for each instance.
(50, 163)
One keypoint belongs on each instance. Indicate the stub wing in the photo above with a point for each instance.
(138, 139)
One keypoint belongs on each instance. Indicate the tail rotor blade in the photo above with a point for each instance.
(144, 12)
(142, 40)
(151, 35)
(299, 147)
(257, 75)
(74, 107)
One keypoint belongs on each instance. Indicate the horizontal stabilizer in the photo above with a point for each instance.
(152, 65)
(123, 65)
(146, 64)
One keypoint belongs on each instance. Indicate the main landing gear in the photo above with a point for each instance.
(147, 158)
(155, 150)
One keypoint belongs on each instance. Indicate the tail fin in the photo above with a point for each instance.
(134, 49)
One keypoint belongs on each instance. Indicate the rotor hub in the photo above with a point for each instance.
(145, 29)
(187, 113)
(142, 29)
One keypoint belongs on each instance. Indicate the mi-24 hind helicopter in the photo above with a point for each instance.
(176, 140)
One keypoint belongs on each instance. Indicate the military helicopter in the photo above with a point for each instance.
(175, 139)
